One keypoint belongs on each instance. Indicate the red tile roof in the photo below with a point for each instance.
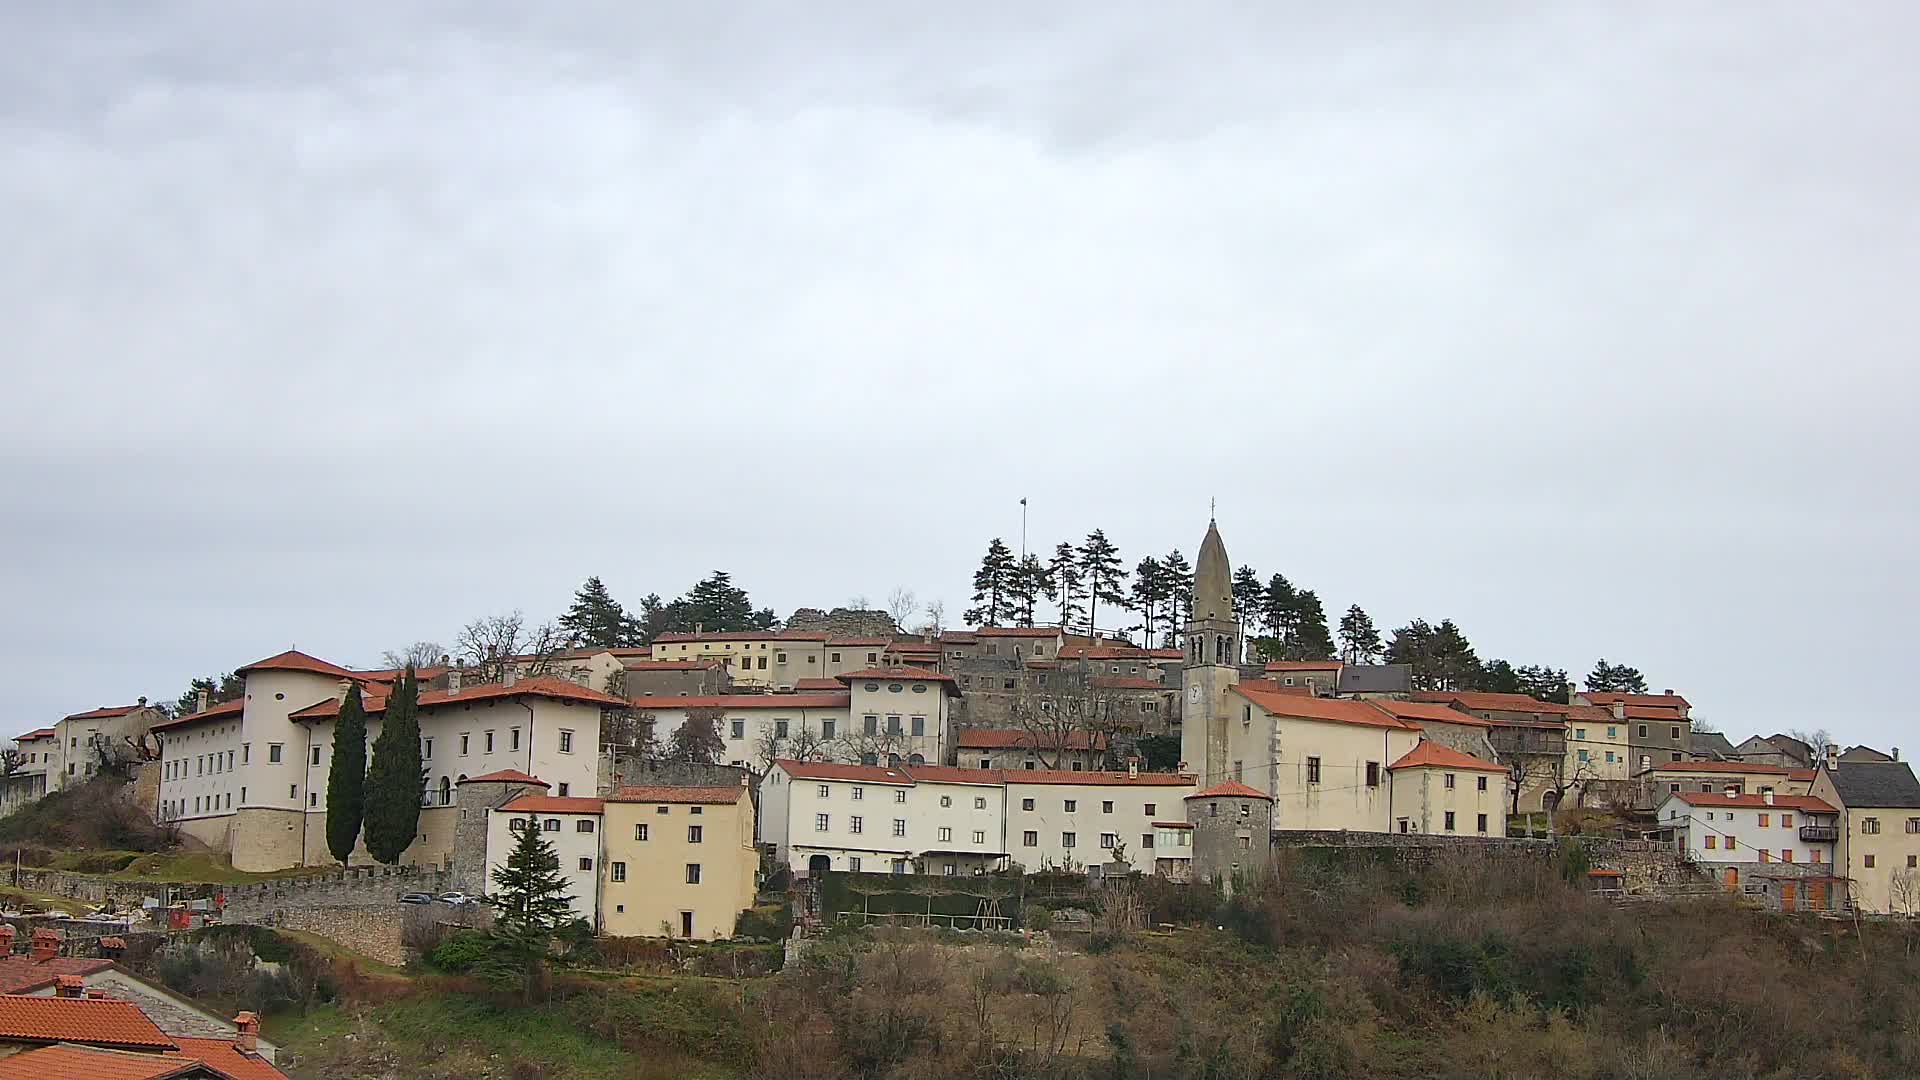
(1018, 631)
(1014, 738)
(1166, 654)
(84, 1063)
(670, 665)
(803, 686)
(744, 635)
(1096, 779)
(1486, 701)
(225, 710)
(1608, 697)
(860, 642)
(705, 796)
(105, 712)
(1417, 711)
(22, 975)
(897, 672)
(1804, 776)
(1754, 768)
(1329, 710)
(745, 702)
(1231, 789)
(551, 687)
(1173, 824)
(505, 776)
(1653, 712)
(1303, 665)
(1104, 652)
(1805, 803)
(554, 804)
(94, 1021)
(1431, 755)
(295, 660)
(831, 770)
(227, 1058)
(36, 733)
(1124, 682)
(943, 774)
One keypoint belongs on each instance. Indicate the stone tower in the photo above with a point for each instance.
(1232, 833)
(1212, 663)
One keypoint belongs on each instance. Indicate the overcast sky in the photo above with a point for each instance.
(1591, 329)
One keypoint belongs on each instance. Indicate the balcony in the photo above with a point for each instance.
(1819, 834)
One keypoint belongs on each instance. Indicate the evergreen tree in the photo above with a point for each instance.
(1063, 575)
(653, 619)
(1499, 677)
(697, 740)
(347, 777)
(1359, 640)
(717, 604)
(1277, 615)
(1024, 590)
(1544, 683)
(1311, 641)
(596, 618)
(228, 687)
(1248, 596)
(991, 586)
(1440, 656)
(1105, 576)
(1179, 575)
(396, 781)
(1616, 678)
(1150, 593)
(530, 904)
(1455, 664)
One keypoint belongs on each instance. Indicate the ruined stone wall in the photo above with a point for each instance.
(99, 890)
(1646, 867)
(359, 887)
(842, 622)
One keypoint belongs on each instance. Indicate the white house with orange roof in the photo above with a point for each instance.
(1436, 789)
(572, 824)
(28, 780)
(1746, 837)
(1061, 818)
(1324, 761)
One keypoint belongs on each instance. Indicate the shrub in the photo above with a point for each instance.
(461, 951)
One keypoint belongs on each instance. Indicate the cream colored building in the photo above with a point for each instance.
(747, 721)
(1597, 746)
(29, 781)
(1754, 778)
(927, 819)
(677, 862)
(1436, 789)
(1324, 761)
(775, 659)
(1318, 676)
(1877, 847)
(572, 826)
(73, 758)
(1061, 818)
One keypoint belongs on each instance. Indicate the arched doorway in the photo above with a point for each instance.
(446, 792)
(818, 866)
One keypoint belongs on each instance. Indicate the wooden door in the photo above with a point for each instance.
(1789, 896)
(1817, 895)
(1730, 878)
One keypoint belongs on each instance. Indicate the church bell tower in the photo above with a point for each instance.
(1212, 663)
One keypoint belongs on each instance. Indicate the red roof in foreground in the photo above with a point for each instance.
(20, 975)
(295, 660)
(1754, 767)
(1231, 789)
(105, 712)
(36, 733)
(1431, 755)
(1755, 801)
(805, 686)
(706, 796)
(1431, 712)
(94, 1021)
(832, 770)
(226, 1057)
(223, 711)
(506, 776)
(554, 804)
(85, 1063)
(551, 687)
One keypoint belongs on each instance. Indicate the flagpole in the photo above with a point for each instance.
(1023, 528)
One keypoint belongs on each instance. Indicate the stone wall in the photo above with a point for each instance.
(98, 890)
(359, 887)
(633, 773)
(842, 622)
(367, 931)
(1646, 867)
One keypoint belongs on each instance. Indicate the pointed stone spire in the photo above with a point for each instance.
(1213, 578)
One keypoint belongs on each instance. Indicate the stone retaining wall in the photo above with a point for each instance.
(1646, 866)
(357, 887)
(98, 890)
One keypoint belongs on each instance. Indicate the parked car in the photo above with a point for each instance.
(415, 898)
(458, 899)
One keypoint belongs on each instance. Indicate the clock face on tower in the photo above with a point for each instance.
(1193, 695)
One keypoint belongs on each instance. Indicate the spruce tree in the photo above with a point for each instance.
(1248, 595)
(1104, 575)
(1359, 640)
(990, 586)
(1179, 574)
(530, 904)
(1616, 678)
(347, 776)
(1063, 575)
(1544, 683)
(596, 618)
(1311, 641)
(1277, 615)
(396, 780)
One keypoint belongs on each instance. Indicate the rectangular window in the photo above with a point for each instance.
(859, 794)
(1786, 854)
(853, 863)
(313, 798)
(779, 729)
(552, 824)
(919, 725)
(640, 831)
(1786, 821)
(273, 753)
(826, 729)
(1730, 846)
(466, 739)
(899, 796)
(893, 725)
(1763, 821)
(1313, 770)
(739, 729)
(899, 826)
(946, 835)
(426, 749)
(1373, 774)
(513, 738)
(1580, 734)
(1108, 840)
(1106, 807)
(1449, 822)
(820, 822)
(946, 800)
(1448, 777)
(1867, 861)
(586, 863)
(617, 871)
(823, 791)
(695, 833)
(763, 663)
(1480, 822)
(246, 752)
(979, 836)
(1643, 731)
(566, 742)
(489, 742)
(1072, 805)
(293, 791)
(855, 824)
(1026, 804)
(1066, 840)
(1870, 826)
(1481, 784)
(693, 869)
(1151, 809)
(1712, 842)
(1030, 839)
(872, 724)
(316, 756)
(584, 825)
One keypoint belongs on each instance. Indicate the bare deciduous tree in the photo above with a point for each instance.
(1817, 741)
(12, 759)
(1903, 892)
(901, 605)
(1071, 712)
(878, 747)
(487, 646)
(420, 654)
(933, 619)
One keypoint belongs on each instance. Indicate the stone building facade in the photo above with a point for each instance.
(1232, 829)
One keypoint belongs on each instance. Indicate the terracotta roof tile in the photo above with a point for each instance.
(1486, 701)
(94, 1021)
(85, 1063)
(860, 642)
(227, 1058)
(1431, 755)
(554, 804)
(1415, 711)
(1754, 768)
(550, 687)
(944, 774)
(22, 975)
(1608, 697)
(805, 686)
(1756, 801)
(1231, 789)
(705, 796)
(225, 710)
(295, 660)
(745, 702)
(37, 733)
(1097, 779)
(832, 770)
(506, 776)
(897, 672)
(1330, 710)
(105, 712)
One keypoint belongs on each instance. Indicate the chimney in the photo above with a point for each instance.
(453, 681)
(201, 701)
(246, 1038)
(1833, 755)
(510, 675)
(6, 939)
(69, 986)
(1619, 710)
(1767, 797)
(1733, 791)
(96, 994)
(446, 661)
(1668, 691)
(1133, 768)
(1573, 691)
(1896, 753)
(143, 701)
(46, 946)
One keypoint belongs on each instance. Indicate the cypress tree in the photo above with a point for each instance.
(396, 780)
(347, 779)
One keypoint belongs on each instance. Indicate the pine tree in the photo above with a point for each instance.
(717, 604)
(1440, 656)
(1105, 577)
(1025, 588)
(1063, 575)
(1359, 640)
(228, 687)
(530, 904)
(990, 586)
(596, 618)
(1499, 677)
(1616, 678)
(347, 776)
(1311, 641)
(1544, 683)
(1180, 585)
(1248, 595)
(396, 781)
(1277, 610)
(1150, 593)
(1455, 664)
(697, 740)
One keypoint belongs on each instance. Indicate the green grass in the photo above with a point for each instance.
(333, 950)
(176, 868)
(14, 898)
